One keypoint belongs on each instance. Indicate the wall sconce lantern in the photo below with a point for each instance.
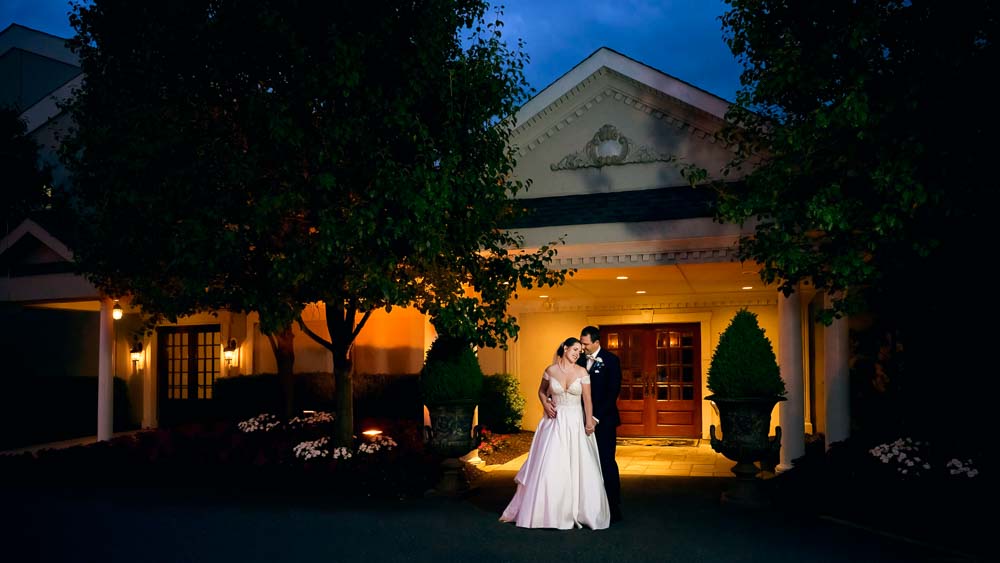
(136, 354)
(116, 311)
(229, 351)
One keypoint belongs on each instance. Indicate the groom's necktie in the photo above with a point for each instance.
(590, 361)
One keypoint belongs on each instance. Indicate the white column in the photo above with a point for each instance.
(837, 380)
(791, 411)
(105, 379)
(148, 386)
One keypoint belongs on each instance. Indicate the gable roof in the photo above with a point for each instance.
(31, 250)
(37, 71)
(631, 68)
(29, 228)
(38, 42)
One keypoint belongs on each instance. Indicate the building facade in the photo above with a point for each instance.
(603, 148)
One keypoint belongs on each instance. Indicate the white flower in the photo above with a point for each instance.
(376, 444)
(311, 449)
(313, 419)
(909, 457)
(262, 422)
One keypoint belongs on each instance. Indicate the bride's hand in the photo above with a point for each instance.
(589, 430)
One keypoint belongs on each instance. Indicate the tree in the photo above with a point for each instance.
(272, 154)
(851, 118)
(26, 179)
(866, 123)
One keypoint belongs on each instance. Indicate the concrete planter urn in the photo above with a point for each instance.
(451, 428)
(451, 383)
(745, 423)
(451, 436)
(746, 384)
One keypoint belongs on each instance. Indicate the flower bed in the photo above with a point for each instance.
(260, 454)
(904, 487)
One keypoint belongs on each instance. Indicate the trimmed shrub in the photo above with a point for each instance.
(501, 406)
(451, 373)
(743, 364)
(375, 395)
(381, 395)
(249, 395)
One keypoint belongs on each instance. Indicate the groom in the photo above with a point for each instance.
(605, 383)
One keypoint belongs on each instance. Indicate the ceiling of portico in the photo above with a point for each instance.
(90, 305)
(669, 282)
(664, 282)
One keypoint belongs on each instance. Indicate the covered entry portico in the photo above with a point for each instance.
(663, 321)
(40, 274)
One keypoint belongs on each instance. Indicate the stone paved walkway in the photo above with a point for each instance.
(681, 461)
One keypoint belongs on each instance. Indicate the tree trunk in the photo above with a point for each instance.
(344, 422)
(343, 330)
(340, 323)
(282, 344)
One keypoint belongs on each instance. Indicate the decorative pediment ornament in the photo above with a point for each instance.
(609, 148)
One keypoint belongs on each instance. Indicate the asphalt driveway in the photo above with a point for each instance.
(666, 519)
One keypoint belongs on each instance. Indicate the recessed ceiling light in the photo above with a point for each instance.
(622, 278)
(641, 291)
(747, 287)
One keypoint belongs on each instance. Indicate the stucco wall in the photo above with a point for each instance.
(542, 332)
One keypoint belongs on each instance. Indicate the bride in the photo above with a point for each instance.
(560, 484)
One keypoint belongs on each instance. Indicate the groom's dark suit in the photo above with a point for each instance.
(605, 384)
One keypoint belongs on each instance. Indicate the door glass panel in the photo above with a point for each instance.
(634, 385)
(192, 362)
(675, 365)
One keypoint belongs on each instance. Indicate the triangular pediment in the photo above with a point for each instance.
(613, 124)
(30, 250)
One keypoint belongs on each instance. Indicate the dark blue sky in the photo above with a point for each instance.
(680, 37)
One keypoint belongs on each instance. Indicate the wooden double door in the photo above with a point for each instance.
(189, 362)
(661, 378)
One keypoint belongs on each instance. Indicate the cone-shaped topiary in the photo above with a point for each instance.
(744, 364)
(451, 373)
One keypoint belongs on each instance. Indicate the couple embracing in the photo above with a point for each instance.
(570, 478)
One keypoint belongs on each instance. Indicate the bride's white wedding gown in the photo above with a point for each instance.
(560, 484)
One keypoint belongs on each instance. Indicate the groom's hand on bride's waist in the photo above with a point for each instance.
(550, 409)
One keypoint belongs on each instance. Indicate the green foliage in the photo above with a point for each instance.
(272, 154)
(351, 154)
(743, 364)
(847, 116)
(26, 179)
(451, 373)
(501, 406)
